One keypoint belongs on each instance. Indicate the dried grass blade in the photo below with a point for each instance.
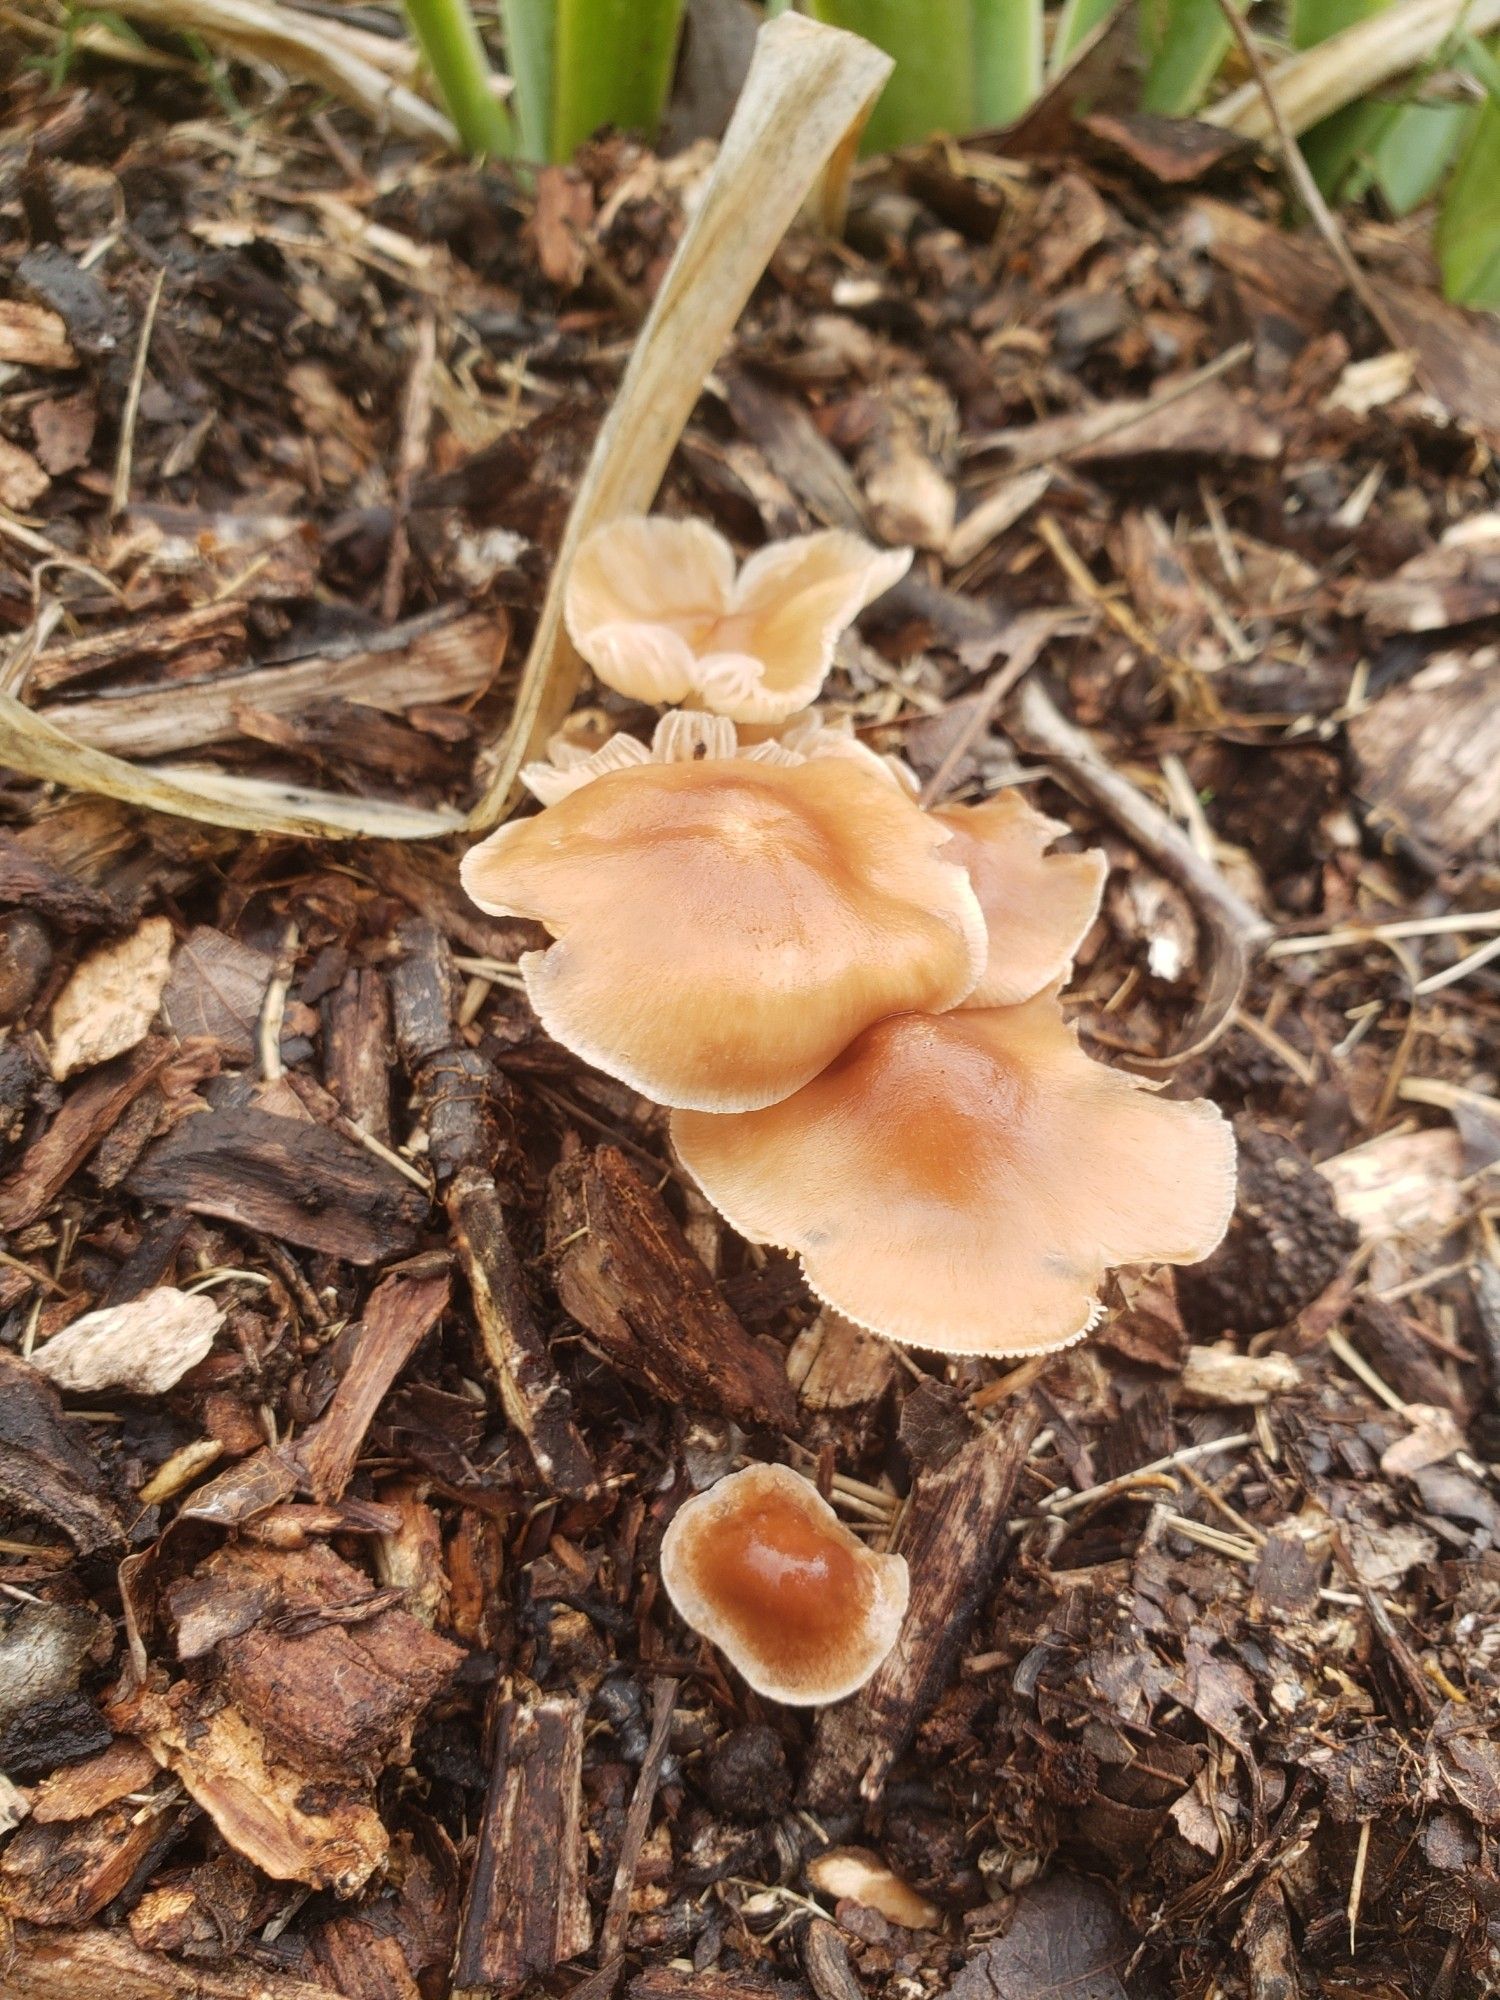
(258, 805)
(808, 86)
(1316, 82)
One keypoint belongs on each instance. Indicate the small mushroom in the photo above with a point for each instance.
(963, 1181)
(726, 926)
(762, 1567)
(1037, 906)
(656, 609)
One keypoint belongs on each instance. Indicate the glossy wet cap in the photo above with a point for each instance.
(1037, 906)
(963, 1181)
(726, 926)
(763, 1568)
(657, 610)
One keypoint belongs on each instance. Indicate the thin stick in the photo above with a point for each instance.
(119, 496)
(416, 424)
(996, 688)
(637, 1819)
(1308, 192)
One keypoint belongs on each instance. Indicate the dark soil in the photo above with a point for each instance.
(341, 1664)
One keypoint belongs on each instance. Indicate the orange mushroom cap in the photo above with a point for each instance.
(762, 1567)
(963, 1181)
(726, 926)
(1037, 907)
(656, 609)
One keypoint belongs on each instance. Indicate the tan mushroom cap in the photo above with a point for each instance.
(963, 1181)
(655, 607)
(726, 927)
(764, 1569)
(1037, 907)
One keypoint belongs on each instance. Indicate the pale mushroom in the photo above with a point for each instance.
(726, 926)
(963, 1181)
(762, 1567)
(656, 609)
(1037, 906)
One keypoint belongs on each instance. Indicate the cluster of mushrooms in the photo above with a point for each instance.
(850, 1006)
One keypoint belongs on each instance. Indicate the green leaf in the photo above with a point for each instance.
(1468, 230)
(1007, 58)
(1187, 41)
(530, 50)
(934, 86)
(450, 41)
(613, 66)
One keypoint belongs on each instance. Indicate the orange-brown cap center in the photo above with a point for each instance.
(793, 1589)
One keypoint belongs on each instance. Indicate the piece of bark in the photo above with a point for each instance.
(34, 337)
(331, 1672)
(625, 1271)
(357, 1050)
(825, 1960)
(177, 646)
(43, 1648)
(1208, 422)
(663, 1982)
(25, 961)
(62, 1964)
(327, 1835)
(463, 1102)
(45, 1472)
(78, 1790)
(400, 1313)
(205, 1912)
(952, 1533)
(837, 1365)
(526, 1911)
(427, 881)
(215, 990)
(51, 1733)
(66, 1872)
(286, 1178)
(410, 1557)
(413, 664)
(1427, 755)
(86, 1116)
(535, 1402)
(1453, 584)
(49, 891)
(110, 999)
(144, 1348)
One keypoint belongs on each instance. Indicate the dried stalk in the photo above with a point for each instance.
(808, 87)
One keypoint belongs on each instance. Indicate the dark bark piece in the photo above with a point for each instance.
(626, 1272)
(427, 882)
(215, 989)
(357, 1050)
(66, 1873)
(331, 1673)
(45, 1472)
(449, 662)
(60, 1965)
(1265, 1938)
(1172, 151)
(25, 961)
(637, 1822)
(534, 1400)
(951, 1538)
(1458, 351)
(51, 1733)
(825, 1960)
(43, 1648)
(287, 1178)
(526, 1911)
(422, 993)
(1285, 1244)
(81, 1789)
(1065, 1942)
(206, 1912)
(1399, 1356)
(178, 645)
(86, 1116)
(400, 1313)
(663, 1982)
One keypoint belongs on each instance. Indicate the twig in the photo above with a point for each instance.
(1308, 192)
(416, 424)
(119, 496)
(601, 1984)
(1236, 928)
(996, 688)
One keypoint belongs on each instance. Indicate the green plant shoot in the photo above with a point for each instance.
(450, 41)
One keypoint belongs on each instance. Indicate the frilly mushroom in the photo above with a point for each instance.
(690, 736)
(762, 1567)
(963, 1181)
(1037, 906)
(725, 927)
(656, 609)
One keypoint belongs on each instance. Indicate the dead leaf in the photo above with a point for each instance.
(111, 1000)
(1066, 1943)
(143, 1347)
(1435, 1435)
(63, 427)
(22, 480)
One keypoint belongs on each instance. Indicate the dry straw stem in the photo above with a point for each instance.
(808, 88)
(31, 745)
(1318, 81)
(322, 52)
